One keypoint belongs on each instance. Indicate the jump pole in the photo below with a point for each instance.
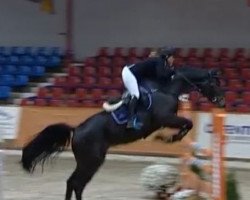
(218, 141)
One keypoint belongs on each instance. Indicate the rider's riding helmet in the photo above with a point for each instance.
(166, 52)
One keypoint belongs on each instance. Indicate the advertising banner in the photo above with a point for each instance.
(9, 122)
(237, 130)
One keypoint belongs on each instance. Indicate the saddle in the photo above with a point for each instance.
(120, 114)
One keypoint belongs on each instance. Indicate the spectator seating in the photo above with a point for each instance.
(100, 77)
(19, 64)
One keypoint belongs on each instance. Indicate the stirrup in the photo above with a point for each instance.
(135, 124)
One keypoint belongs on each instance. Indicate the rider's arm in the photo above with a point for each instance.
(163, 71)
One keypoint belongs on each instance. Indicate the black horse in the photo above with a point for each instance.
(92, 138)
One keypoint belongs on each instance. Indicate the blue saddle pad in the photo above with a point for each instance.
(120, 115)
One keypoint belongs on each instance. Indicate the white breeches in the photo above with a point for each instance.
(130, 82)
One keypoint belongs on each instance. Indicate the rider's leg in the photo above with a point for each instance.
(131, 84)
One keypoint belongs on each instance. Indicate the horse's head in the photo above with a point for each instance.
(211, 88)
(207, 82)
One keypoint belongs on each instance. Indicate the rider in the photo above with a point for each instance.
(160, 67)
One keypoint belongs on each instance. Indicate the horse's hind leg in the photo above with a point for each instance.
(70, 187)
(88, 162)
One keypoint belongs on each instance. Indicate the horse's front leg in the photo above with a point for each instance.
(172, 121)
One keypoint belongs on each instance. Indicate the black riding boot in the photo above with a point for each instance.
(131, 118)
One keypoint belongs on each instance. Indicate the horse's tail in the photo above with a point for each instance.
(111, 107)
(53, 139)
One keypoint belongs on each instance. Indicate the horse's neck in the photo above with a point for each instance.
(175, 88)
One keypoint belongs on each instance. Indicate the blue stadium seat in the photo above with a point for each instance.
(21, 80)
(7, 80)
(24, 70)
(14, 50)
(5, 92)
(10, 69)
(2, 50)
(37, 71)
(3, 60)
(13, 60)
(27, 60)
(40, 60)
(1, 69)
(40, 51)
(18, 51)
(56, 51)
(53, 61)
(28, 51)
(5, 51)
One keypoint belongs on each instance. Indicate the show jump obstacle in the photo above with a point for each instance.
(215, 186)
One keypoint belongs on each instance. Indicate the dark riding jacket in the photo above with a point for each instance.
(152, 68)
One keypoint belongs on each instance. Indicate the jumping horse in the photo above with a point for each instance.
(91, 139)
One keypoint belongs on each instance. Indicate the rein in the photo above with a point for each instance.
(189, 82)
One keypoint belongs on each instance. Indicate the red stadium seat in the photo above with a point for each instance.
(235, 84)
(246, 97)
(89, 71)
(245, 73)
(179, 53)
(119, 51)
(242, 108)
(223, 53)
(118, 62)
(43, 92)
(41, 102)
(103, 51)
(27, 102)
(205, 106)
(113, 93)
(226, 64)
(229, 107)
(57, 93)
(104, 71)
(72, 103)
(60, 80)
(89, 61)
(97, 93)
(247, 85)
(103, 61)
(88, 103)
(117, 71)
(89, 80)
(145, 52)
(105, 81)
(117, 82)
(56, 102)
(208, 53)
(74, 71)
(192, 53)
(74, 80)
(81, 93)
(133, 52)
(178, 61)
(243, 64)
(211, 64)
(132, 60)
(231, 96)
(230, 73)
(239, 53)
